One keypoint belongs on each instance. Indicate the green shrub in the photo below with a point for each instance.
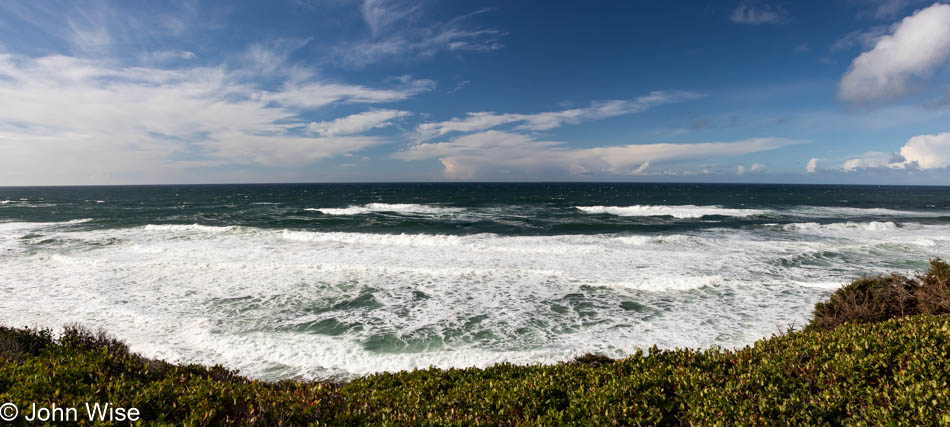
(881, 298)
(934, 293)
(75, 335)
(16, 344)
(896, 371)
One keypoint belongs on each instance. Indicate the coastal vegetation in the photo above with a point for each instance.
(876, 352)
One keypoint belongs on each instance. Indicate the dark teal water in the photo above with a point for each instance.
(340, 280)
(509, 209)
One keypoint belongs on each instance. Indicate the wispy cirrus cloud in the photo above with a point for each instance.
(162, 56)
(380, 15)
(496, 153)
(479, 121)
(754, 13)
(98, 27)
(271, 56)
(865, 39)
(396, 32)
(310, 94)
(85, 29)
(886, 9)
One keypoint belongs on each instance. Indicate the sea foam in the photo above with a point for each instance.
(294, 303)
(188, 227)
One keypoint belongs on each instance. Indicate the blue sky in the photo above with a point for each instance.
(135, 92)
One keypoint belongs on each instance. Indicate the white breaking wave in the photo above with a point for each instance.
(403, 208)
(671, 238)
(862, 226)
(821, 285)
(667, 283)
(26, 204)
(372, 239)
(7, 227)
(189, 227)
(693, 211)
(838, 212)
(75, 221)
(678, 211)
(287, 303)
(40, 225)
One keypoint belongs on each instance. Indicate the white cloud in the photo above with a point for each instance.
(921, 152)
(756, 167)
(491, 153)
(917, 46)
(549, 120)
(242, 147)
(928, 151)
(356, 123)
(73, 120)
(812, 165)
(756, 14)
(168, 55)
(309, 95)
(873, 159)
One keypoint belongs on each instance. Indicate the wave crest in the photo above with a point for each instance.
(842, 226)
(189, 227)
(675, 211)
(401, 208)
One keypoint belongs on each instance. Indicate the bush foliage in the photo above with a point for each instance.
(895, 371)
(881, 298)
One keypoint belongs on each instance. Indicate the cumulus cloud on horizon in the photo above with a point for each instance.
(756, 167)
(922, 152)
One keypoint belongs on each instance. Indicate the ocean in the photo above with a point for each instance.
(342, 280)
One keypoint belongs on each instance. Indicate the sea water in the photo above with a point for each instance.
(342, 280)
